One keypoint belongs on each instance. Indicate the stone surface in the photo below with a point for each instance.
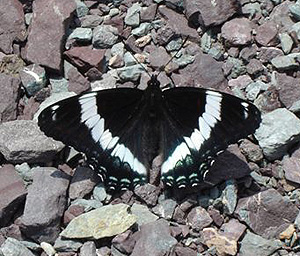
(253, 244)
(88, 249)
(45, 204)
(252, 151)
(278, 130)
(9, 93)
(143, 214)
(12, 192)
(104, 36)
(237, 31)
(291, 167)
(22, 141)
(229, 197)
(198, 218)
(266, 54)
(148, 193)
(283, 63)
(165, 208)
(11, 31)
(267, 34)
(158, 58)
(47, 31)
(132, 17)
(77, 82)
(266, 213)
(210, 13)
(12, 247)
(105, 221)
(233, 229)
(154, 239)
(125, 242)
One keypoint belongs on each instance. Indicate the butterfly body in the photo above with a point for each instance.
(122, 130)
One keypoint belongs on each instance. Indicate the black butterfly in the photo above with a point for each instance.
(122, 130)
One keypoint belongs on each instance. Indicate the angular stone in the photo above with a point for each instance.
(254, 67)
(131, 73)
(47, 32)
(295, 10)
(125, 242)
(12, 247)
(67, 245)
(72, 212)
(291, 167)
(91, 21)
(132, 17)
(9, 92)
(266, 213)
(81, 35)
(252, 151)
(105, 221)
(268, 101)
(253, 244)
(240, 82)
(12, 24)
(165, 208)
(286, 62)
(198, 218)
(88, 249)
(154, 239)
(184, 251)
(266, 54)
(229, 197)
(210, 13)
(22, 141)
(286, 42)
(158, 58)
(233, 229)
(278, 130)
(223, 245)
(237, 31)
(45, 204)
(266, 34)
(148, 13)
(77, 82)
(12, 193)
(104, 36)
(143, 214)
(148, 193)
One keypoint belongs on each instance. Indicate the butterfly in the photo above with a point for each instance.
(121, 130)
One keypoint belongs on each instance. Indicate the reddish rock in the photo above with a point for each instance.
(77, 82)
(233, 229)
(158, 58)
(125, 242)
(266, 34)
(47, 32)
(237, 31)
(254, 67)
(268, 100)
(9, 93)
(148, 13)
(184, 251)
(266, 54)
(267, 213)
(240, 82)
(85, 58)
(291, 167)
(72, 212)
(198, 218)
(148, 193)
(12, 24)
(210, 13)
(216, 216)
(29, 109)
(164, 35)
(12, 192)
(252, 151)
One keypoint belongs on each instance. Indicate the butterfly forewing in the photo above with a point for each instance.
(198, 124)
(102, 125)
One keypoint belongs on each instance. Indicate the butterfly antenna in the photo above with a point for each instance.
(174, 55)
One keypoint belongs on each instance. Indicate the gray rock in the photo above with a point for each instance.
(198, 218)
(108, 81)
(88, 249)
(278, 130)
(48, 248)
(142, 30)
(45, 204)
(131, 73)
(66, 245)
(296, 28)
(9, 91)
(91, 21)
(132, 17)
(25, 172)
(83, 182)
(249, 53)
(33, 78)
(184, 59)
(82, 35)
(295, 10)
(175, 44)
(158, 58)
(13, 193)
(261, 180)
(229, 197)
(165, 208)
(212, 13)
(252, 10)
(143, 214)
(87, 204)
(266, 213)
(105, 221)
(254, 88)
(46, 51)
(99, 192)
(287, 62)
(286, 42)
(237, 31)
(104, 36)
(81, 8)
(22, 141)
(58, 84)
(124, 243)
(13, 247)
(252, 151)
(253, 244)
(254, 67)
(11, 31)
(154, 239)
(234, 68)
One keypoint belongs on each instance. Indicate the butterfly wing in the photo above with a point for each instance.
(197, 125)
(100, 124)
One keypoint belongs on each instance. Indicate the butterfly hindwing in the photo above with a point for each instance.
(199, 124)
(100, 124)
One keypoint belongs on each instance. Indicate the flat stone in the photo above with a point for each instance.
(248, 53)
(296, 29)
(253, 244)
(252, 151)
(212, 13)
(254, 67)
(12, 246)
(132, 17)
(81, 35)
(91, 21)
(154, 239)
(81, 8)
(45, 204)
(295, 10)
(283, 63)
(22, 141)
(233, 229)
(266, 34)
(131, 73)
(278, 130)
(198, 218)
(268, 101)
(125, 242)
(88, 249)
(142, 30)
(165, 208)
(47, 32)
(286, 42)
(77, 82)
(158, 58)
(291, 167)
(229, 197)
(148, 13)
(223, 245)
(266, 213)
(266, 54)
(72, 212)
(143, 214)
(105, 221)
(240, 82)
(11, 31)
(12, 193)
(184, 251)
(148, 193)
(237, 31)
(66, 245)
(9, 91)
(104, 36)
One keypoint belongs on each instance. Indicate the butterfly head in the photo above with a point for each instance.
(153, 82)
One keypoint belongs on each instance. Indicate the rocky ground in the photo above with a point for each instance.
(51, 49)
